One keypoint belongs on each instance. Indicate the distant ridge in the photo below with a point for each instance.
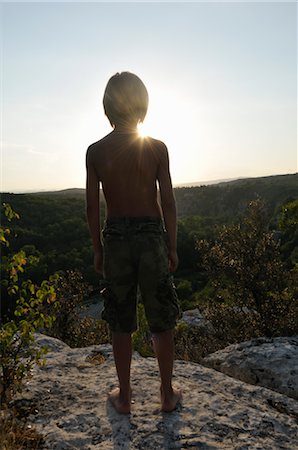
(69, 191)
(207, 183)
(238, 180)
(77, 192)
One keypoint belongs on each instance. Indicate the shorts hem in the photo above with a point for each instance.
(161, 330)
(118, 330)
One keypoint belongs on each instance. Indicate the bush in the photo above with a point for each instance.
(69, 326)
(245, 269)
(17, 351)
(191, 343)
(91, 331)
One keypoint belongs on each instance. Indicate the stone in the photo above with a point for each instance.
(217, 411)
(268, 362)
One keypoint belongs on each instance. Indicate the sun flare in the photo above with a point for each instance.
(142, 130)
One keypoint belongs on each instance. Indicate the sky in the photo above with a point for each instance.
(221, 77)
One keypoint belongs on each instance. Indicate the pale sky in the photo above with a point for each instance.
(221, 77)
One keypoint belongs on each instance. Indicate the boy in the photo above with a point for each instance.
(135, 252)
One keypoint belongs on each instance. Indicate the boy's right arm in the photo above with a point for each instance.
(168, 205)
(93, 211)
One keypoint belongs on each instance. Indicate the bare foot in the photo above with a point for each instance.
(170, 401)
(121, 405)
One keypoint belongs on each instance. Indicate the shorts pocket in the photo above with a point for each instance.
(109, 313)
(169, 310)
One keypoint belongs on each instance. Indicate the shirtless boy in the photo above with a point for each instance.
(137, 251)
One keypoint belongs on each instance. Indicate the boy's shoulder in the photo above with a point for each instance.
(98, 144)
(156, 143)
(152, 143)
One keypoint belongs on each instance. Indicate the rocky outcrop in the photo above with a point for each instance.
(217, 412)
(268, 362)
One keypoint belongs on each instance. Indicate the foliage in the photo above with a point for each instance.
(17, 351)
(70, 325)
(224, 325)
(245, 268)
(54, 225)
(184, 289)
(191, 343)
(141, 339)
(288, 224)
(15, 434)
(70, 291)
(224, 201)
(184, 292)
(91, 331)
(288, 219)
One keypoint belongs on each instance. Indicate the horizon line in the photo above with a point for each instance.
(176, 185)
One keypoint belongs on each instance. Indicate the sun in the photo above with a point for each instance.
(142, 130)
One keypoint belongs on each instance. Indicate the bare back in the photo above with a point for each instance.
(127, 166)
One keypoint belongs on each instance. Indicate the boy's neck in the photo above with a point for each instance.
(126, 128)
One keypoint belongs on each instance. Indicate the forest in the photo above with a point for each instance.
(52, 227)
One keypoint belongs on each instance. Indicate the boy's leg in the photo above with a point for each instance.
(122, 349)
(163, 344)
(120, 307)
(162, 310)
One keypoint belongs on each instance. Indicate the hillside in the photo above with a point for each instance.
(228, 199)
(223, 199)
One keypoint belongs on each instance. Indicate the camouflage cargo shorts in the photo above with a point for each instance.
(135, 259)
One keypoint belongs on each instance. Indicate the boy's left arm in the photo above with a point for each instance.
(93, 211)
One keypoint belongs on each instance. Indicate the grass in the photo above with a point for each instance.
(15, 432)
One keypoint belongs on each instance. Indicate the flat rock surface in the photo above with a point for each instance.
(268, 362)
(217, 412)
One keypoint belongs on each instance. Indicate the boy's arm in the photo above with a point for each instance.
(168, 205)
(93, 211)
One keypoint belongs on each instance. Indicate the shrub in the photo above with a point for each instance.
(17, 351)
(246, 270)
(191, 343)
(91, 331)
(69, 326)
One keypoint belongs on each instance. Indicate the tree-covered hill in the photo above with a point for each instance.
(228, 199)
(224, 200)
(53, 225)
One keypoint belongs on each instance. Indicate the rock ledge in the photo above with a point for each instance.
(218, 412)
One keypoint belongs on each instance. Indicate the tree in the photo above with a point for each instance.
(246, 269)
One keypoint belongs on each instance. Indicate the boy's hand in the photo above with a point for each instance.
(98, 261)
(173, 261)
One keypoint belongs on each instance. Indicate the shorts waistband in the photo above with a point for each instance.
(130, 220)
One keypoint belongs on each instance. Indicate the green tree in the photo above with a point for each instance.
(246, 270)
